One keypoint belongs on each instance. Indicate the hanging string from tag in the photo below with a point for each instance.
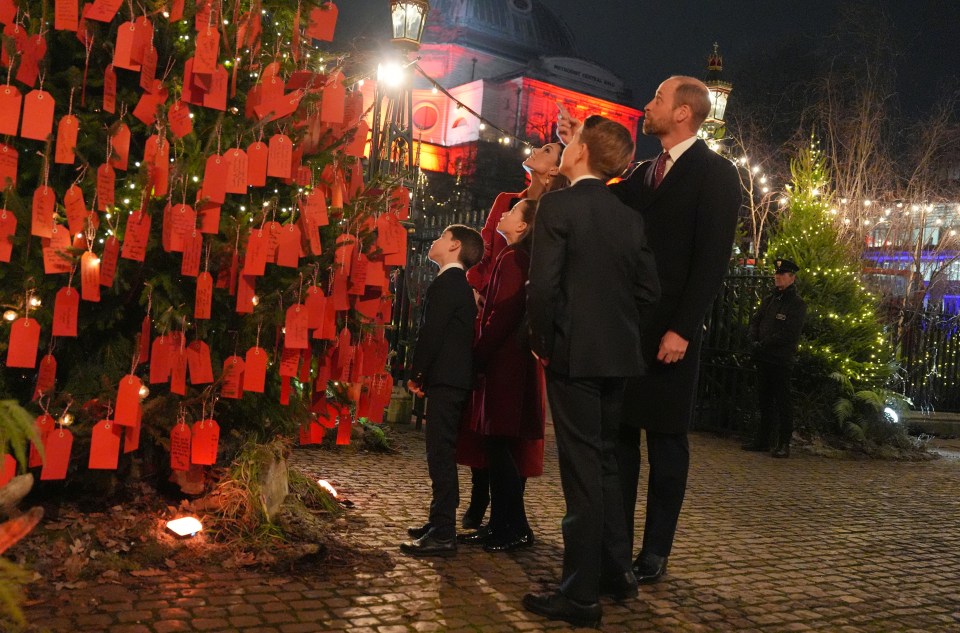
(86, 66)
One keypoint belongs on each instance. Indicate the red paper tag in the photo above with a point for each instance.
(255, 259)
(90, 277)
(8, 228)
(315, 303)
(46, 377)
(334, 94)
(344, 428)
(66, 15)
(148, 70)
(102, 10)
(198, 363)
(246, 290)
(137, 236)
(131, 435)
(178, 373)
(179, 117)
(108, 262)
(192, 254)
(208, 214)
(65, 310)
(7, 470)
(297, 335)
(122, 50)
(56, 454)
(323, 21)
(289, 362)
(207, 50)
(257, 155)
(232, 377)
(288, 249)
(10, 103)
(143, 341)
(161, 355)
(8, 166)
(104, 446)
(216, 97)
(357, 146)
(255, 370)
(280, 156)
(236, 171)
(180, 447)
(272, 230)
(76, 208)
(110, 89)
(24, 341)
(128, 401)
(56, 256)
(215, 179)
(44, 204)
(204, 298)
(176, 10)
(43, 425)
(106, 187)
(206, 437)
(39, 124)
(120, 142)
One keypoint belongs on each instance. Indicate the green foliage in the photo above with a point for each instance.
(16, 429)
(842, 334)
(312, 495)
(860, 416)
(12, 577)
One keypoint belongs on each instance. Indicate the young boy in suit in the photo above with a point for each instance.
(592, 276)
(442, 369)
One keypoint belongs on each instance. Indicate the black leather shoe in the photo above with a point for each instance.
(648, 568)
(556, 606)
(418, 532)
(510, 544)
(430, 545)
(481, 536)
(781, 451)
(622, 587)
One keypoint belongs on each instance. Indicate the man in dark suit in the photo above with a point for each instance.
(442, 368)
(689, 199)
(591, 275)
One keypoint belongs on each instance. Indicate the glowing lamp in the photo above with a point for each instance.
(185, 526)
(323, 483)
(891, 415)
(408, 17)
(144, 391)
(10, 315)
(390, 74)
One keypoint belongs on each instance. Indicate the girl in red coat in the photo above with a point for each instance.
(543, 169)
(508, 401)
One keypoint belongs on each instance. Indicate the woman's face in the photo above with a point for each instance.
(544, 161)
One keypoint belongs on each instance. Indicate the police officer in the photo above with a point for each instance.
(774, 333)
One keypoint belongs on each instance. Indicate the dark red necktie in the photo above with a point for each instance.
(659, 169)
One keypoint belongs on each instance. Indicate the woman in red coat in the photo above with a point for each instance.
(543, 168)
(509, 410)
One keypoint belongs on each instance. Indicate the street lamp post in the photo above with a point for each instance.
(391, 144)
(714, 127)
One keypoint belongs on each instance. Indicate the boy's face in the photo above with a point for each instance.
(444, 249)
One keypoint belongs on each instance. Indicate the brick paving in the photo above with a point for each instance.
(803, 544)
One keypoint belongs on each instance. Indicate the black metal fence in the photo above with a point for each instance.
(928, 351)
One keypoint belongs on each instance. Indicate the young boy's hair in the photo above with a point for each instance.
(471, 244)
(528, 209)
(610, 145)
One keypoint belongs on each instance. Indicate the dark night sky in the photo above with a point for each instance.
(646, 41)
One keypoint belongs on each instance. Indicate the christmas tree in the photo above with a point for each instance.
(843, 337)
(187, 243)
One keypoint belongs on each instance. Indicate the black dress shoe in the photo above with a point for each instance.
(430, 545)
(481, 536)
(418, 532)
(622, 587)
(648, 568)
(556, 606)
(511, 544)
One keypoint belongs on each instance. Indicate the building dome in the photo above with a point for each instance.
(522, 29)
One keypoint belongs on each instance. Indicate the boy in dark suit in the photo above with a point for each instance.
(443, 370)
(591, 276)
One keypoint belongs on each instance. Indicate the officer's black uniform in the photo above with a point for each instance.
(775, 332)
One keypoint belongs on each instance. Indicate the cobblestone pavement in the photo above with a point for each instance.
(802, 544)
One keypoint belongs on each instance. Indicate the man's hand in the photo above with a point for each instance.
(672, 348)
(415, 388)
(567, 125)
